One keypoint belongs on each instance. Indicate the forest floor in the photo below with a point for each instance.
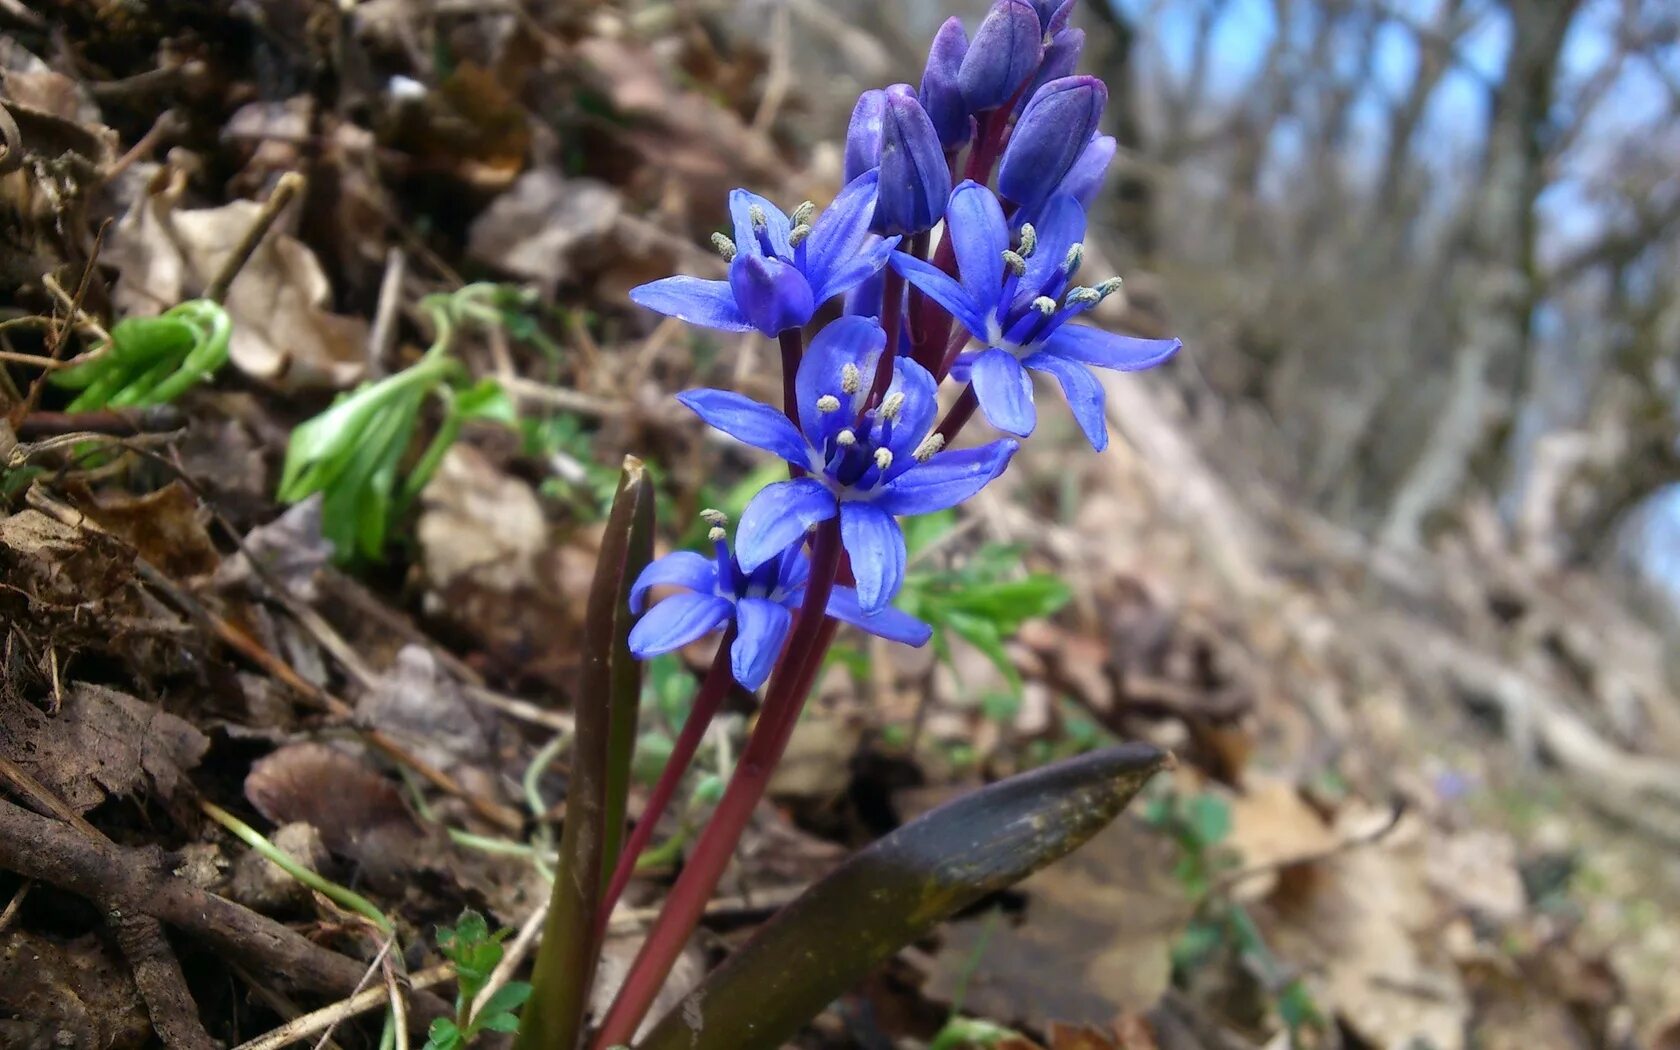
(1425, 798)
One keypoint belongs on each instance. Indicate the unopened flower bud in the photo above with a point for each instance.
(941, 96)
(1013, 262)
(1049, 137)
(892, 406)
(1029, 240)
(725, 247)
(845, 439)
(863, 135)
(914, 177)
(1085, 177)
(828, 403)
(1002, 56)
(883, 458)
(929, 447)
(1053, 14)
(851, 380)
(1061, 58)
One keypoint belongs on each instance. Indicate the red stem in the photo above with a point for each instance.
(792, 341)
(959, 415)
(917, 308)
(892, 309)
(782, 704)
(705, 708)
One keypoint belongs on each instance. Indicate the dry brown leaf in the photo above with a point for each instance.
(540, 226)
(166, 527)
(1272, 827)
(421, 705)
(282, 331)
(1477, 870)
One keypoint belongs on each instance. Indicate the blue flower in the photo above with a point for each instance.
(1051, 133)
(1002, 56)
(866, 465)
(1018, 302)
(863, 134)
(914, 178)
(760, 603)
(941, 95)
(780, 269)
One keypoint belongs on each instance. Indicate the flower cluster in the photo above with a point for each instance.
(956, 245)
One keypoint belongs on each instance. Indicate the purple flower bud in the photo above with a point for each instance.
(1085, 177)
(1060, 59)
(1049, 137)
(914, 178)
(941, 96)
(773, 295)
(863, 136)
(1005, 51)
(1053, 14)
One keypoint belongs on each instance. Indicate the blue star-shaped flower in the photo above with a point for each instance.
(865, 466)
(760, 603)
(1018, 305)
(780, 269)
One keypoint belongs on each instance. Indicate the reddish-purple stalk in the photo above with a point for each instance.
(792, 342)
(783, 701)
(915, 312)
(961, 411)
(713, 689)
(892, 314)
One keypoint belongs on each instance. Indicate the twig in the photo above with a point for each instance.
(1370, 838)
(125, 422)
(511, 960)
(159, 980)
(284, 190)
(559, 397)
(343, 897)
(16, 902)
(328, 1017)
(781, 71)
(384, 331)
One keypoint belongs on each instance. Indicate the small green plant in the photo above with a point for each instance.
(151, 360)
(983, 600)
(475, 951)
(1200, 824)
(354, 452)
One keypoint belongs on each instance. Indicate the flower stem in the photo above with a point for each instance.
(705, 708)
(782, 704)
(892, 314)
(958, 417)
(792, 341)
(915, 310)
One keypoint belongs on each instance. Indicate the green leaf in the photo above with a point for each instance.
(499, 1023)
(443, 1035)
(486, 400)
(1209, 818)
(894, 892)
(508, 998)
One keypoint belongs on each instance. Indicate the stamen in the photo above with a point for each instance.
(760, 221)
(1082, 297)
(717, 519)
(1108, 287)
(802, 215)
(1075, 256)
(1044, 305)
(892, 406)
(883, 458)
(717, 535)
(929, 446)
(1014, 263)
(725, 247)
(1029, 240)
(798, 234)
(828, 403)
(845, 439)
(851, 380)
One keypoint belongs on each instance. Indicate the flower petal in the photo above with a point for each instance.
(675, 622)
(1084, 394)
(921, 406)
(876, 545)
(776, 225)
(763, 627)
(1060, 225)
(853, 272)
(772, 294)
(945, 480)
(1005, 391)
(840, 230)
(944, 290)
(979, 236)
(1124, 353)
(687, 569)
(888, 623)
(750, 421)
(710, 304)
(845, 341)
(777, 518)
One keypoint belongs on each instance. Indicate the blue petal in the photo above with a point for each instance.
(763, 627)
(1084, 394)
(942, 289)
(777, 518)
(888, 623)
(921, 405)
(876, 545)
(868, 262)
(863, 136)
(1060, 225)
(794, 571)
(1086, 176)
(840, 232)
(772, 294)
(680, 569)
(844, 341)
(775, 221)
(750, 421)
(1124, 353)
(1004, 390)
(974, 220)
(945, 480)
(675, 622)
(710, 304)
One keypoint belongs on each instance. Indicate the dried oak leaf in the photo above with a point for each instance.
(166, 527)
(282, 332)
(544, 225)
(99, 743)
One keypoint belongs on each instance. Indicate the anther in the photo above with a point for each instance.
(930, 445)
(1044, 305)
(1082, 297)
(845, 439)
(717, 519)
(828, 403)
(1029, 240)
(798, 234)
(802, 215)
(1108, 287)
(883, 458)
(716, 535)
(1014, 263)
(851, 380)
(757, 216)
(725, 247)
(892, 406)
(1075, 256)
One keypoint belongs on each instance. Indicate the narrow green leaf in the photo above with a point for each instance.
(895, 891)
(508, 998)
(565, 965)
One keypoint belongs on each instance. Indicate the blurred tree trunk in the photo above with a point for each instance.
(1499, 281)
(1109, 49)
